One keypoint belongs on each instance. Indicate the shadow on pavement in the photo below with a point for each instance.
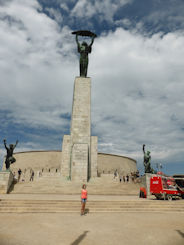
(80, 238)
(86, 211)
(181, 233)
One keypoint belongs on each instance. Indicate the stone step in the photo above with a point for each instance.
(57, 185)
(56, 206)
(8, 199)
(71, 184)
(90, 206)
(75, 193)
(76, 190)
(104, 203)
(53, 210)
(129, 202)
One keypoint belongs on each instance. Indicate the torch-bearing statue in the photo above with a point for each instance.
(9, 157)
(84, 49)
(147, 161)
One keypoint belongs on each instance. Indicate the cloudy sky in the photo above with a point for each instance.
(136, 67)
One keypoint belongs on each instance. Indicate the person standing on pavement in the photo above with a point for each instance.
(124, 180)
(84, 195)
(32, 176)
(19, 174)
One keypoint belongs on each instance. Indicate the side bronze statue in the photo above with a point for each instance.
(84, 49)
(147, 161)
(9, 156)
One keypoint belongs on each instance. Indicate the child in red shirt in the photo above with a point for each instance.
(84, 195)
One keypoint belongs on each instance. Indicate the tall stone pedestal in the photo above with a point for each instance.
(6, 180)
(79, 149)
(146, 182)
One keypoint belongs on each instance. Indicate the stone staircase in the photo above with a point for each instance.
(57, 185)
(100, 206)
(52, 194)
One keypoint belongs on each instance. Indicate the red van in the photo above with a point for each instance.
(165, 188)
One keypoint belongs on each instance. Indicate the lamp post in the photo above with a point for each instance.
(159, 166)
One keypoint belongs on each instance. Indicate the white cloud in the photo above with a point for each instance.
(137, 82)
(55, 13)
(104, 9)
(123, 22)
(166, 18)
(64, 7)
(33, 68)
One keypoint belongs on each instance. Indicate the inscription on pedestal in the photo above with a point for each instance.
(79, 162)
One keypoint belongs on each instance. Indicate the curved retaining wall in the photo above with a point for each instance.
(108, 163)
(37, 160)
(51, 160)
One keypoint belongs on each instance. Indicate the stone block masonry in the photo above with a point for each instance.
(6, 179)
(94, 154)
(79, 149)
(66, 156)
(79, 166)
(81, 111)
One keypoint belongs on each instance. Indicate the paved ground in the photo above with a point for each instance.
(92, 229)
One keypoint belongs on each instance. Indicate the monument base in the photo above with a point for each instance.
(6, 180)
(79, 162)
(146, 182)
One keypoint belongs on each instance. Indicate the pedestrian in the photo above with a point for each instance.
(14, 178)
(137, 174)
(132, 176)
(120, 178)
(84, 195)
(115, 173)
(124, 179)
(32, 176)
(19, 174)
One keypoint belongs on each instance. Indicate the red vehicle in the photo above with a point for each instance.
(179, 179)
(165, 188)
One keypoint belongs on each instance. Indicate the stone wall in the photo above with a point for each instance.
(38, 160)
(108, 163)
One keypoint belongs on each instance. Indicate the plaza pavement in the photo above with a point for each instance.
(92, 229)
